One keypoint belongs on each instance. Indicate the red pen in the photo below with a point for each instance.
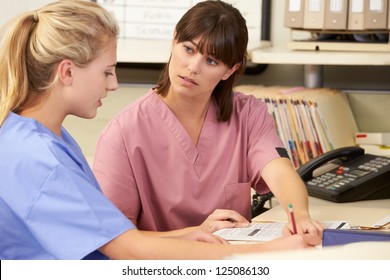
(290, 209)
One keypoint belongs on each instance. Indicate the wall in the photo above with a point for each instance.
(372, 82)
(341, 77)
(14, 7)
(367, 86)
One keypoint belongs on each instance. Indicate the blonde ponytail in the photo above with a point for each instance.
(13, 72)
(33, 44)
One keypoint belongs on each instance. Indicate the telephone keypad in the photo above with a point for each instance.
(343, 175)
(348, 177)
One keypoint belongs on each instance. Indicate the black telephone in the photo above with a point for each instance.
(346, 175)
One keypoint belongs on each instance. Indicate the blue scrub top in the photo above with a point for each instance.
(51, 206)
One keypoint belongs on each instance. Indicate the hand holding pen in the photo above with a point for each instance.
(305, 224)
(292, 218)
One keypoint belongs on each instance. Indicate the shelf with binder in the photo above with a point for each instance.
(337, 15)
(340, 40)
(327, 17)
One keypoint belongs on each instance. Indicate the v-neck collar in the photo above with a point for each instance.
(196, 154)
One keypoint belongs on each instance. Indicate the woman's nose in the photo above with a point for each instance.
(194, 64)
(113, 85)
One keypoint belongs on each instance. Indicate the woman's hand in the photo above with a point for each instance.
(292, 242)
(305, 225)
(222, 218)
(200, 235)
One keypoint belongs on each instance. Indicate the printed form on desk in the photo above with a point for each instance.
(259, 232)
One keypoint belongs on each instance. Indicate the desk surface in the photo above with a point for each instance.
(352, 251)
(380, 203)
(358, 213)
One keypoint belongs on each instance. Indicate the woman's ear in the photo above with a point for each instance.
(230, 71)
(65, 71)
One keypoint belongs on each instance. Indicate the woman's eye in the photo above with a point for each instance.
(212, 61)
(109, 74)
(188, 49)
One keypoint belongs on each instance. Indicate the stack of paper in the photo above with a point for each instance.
(376, 143)
(373, 138)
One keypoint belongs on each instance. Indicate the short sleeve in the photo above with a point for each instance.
(71, 218)
(263, 139)
(113, 170)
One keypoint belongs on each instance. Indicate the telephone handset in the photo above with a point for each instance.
(347, 174)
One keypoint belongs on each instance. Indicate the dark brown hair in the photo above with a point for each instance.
(224, 35)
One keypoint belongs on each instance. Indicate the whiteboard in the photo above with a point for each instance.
(156, 19)
(10, 9)
(146, 26)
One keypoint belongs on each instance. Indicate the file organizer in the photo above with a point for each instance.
(309, 121)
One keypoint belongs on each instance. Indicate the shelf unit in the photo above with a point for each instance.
(305, 48)
(313, 61)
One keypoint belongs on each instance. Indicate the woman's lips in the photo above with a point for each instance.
(187, 80)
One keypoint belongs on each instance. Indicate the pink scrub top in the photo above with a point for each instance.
(149, 167)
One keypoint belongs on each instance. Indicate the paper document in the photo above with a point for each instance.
(382, 222)
(267, 231)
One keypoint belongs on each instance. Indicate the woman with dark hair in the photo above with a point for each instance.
(186, 155)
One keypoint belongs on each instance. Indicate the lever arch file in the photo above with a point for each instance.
(388, 16)
(314, 14)
(356, 15)
(336, 13)
(375, 14)
(293, 15)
